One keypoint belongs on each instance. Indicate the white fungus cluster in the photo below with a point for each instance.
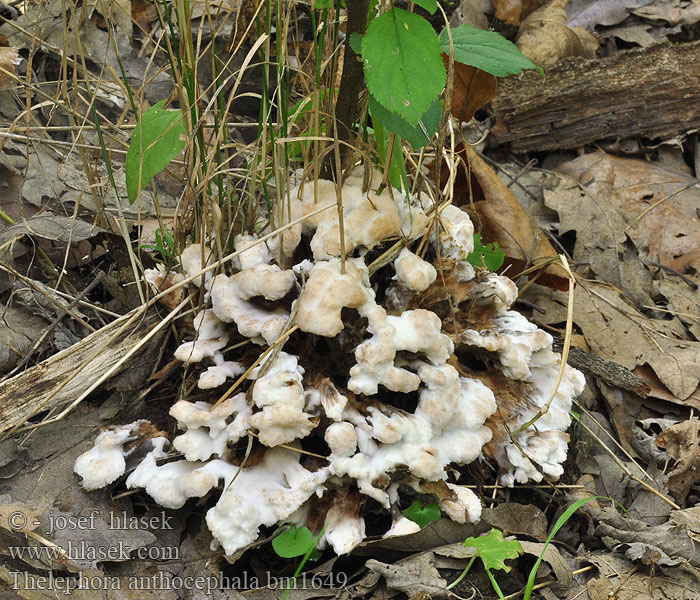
(376, 449)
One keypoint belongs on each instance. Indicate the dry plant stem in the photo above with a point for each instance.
(564, 351)
(107, 374)
(627, 472)
(585, 411)
(351, 84)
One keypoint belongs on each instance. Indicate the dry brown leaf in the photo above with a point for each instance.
(591, 13)
(545, 38)
(682, 443)
(673, 12)
(9, 59)
(617, 331)
(414, 575)
(599, 217)
(517, 519)
(658, 390)
(143, 12)
(502, 219)
(657, 204)
(472, 89)
(513, 12)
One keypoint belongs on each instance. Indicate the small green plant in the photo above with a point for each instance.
(165, 245)
(489, 255)
(157, 139)
(492, 549)
(293, 541)
(422, 514)
(297, 541)
(404, 70)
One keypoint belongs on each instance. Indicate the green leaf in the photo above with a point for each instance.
(416, 135)
(295, 541)
(423, 515)
(157, 139)
(486, 50)
(493, 549)
(403, 65)
(356, 42)
(489, 256)
(429, 5)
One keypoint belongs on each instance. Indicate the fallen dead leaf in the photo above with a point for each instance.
(414, 575)
(52, 227)
(9, 59)
(517, 519)
(682, 443)
(503, 220)
(617, 331)
(599, 217)
(673, 12)
(590, 13)
(658, 390)
(513, 12)
(143, 12)
(472, 89)
(19, 329)
(658, 204)
(545, 38)
(690, 519)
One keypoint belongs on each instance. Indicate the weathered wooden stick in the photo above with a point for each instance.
(63, 377)
(653, 92)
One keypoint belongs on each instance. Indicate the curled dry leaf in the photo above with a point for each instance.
(682, 443)
(9, 59)
(513, 12)
(472, 89)
(545, 38)
(503, 220)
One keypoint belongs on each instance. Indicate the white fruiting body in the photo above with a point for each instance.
(455, 419)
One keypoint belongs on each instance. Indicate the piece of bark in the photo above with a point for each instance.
(610, 372)
(654, 93)
(73, 370)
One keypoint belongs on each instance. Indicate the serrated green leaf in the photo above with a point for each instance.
(157, 139)
(485, 50)
(423, 515)
(493, 549)
(490, 256)
(403, 64)
(416, 135)
(295, 541)
(429, 5)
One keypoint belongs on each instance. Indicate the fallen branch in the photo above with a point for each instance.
(653, 93)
